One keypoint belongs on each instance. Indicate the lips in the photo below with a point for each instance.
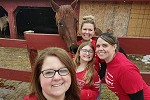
(57, 85)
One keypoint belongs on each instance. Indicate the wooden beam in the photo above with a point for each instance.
(117, 0)
(135, 45)
(15, 43)
(41, 41)
(18, 75)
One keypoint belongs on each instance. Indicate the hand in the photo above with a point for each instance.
(97, 84)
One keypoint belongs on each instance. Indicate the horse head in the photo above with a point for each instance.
(67, 22)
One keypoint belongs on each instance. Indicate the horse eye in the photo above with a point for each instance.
(76, 20)
(61, 25)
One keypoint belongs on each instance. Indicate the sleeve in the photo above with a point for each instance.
(92, 92)
(131, 81)
(137, 96)
(102, 70)
(26, 98)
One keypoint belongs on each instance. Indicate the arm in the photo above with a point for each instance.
(132, 84)
(137, 96)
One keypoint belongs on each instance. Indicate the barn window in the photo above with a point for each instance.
(38, 19)
(4, 23)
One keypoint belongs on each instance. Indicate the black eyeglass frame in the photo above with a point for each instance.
(85, 51)
(61, 69)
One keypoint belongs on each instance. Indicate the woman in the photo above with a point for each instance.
(85, 72)
(54, 77)
(122, 76)
(87, 31)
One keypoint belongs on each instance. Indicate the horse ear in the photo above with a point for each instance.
(54, 5)
(74, 4)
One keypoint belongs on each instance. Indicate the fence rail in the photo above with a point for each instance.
(34, 42)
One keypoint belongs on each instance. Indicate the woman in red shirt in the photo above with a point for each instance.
(122, 76)
(53, 77)
(85, 72)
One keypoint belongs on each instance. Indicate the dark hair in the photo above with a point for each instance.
(108, 37)
(73, 92)
(89, 75)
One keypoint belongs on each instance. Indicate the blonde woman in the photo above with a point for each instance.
(85, 72)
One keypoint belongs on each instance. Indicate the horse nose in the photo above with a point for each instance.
(73, 48)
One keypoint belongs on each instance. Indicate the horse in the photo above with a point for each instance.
(67, 22)
(3, 25)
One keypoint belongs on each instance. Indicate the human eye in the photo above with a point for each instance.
(90, 51)
(84, 50)
(48, 73)
(105, 45)
(63, 71)
(97, 45)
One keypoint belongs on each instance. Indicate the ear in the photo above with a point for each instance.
(74, 4)
(54, 5)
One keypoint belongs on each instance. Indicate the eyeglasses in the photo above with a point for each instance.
(85, 51)
(49, 73)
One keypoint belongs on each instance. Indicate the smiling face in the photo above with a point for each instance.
(104, 50)
(56, 86)
(86, 53)
(87, 31)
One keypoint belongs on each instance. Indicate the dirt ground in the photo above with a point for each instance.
(15, 58)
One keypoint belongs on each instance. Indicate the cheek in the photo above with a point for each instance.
(45, 82)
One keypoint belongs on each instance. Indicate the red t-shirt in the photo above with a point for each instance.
(30, 98)
(87, 92)
(123, 78)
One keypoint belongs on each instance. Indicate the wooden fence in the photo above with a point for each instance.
(34, 42)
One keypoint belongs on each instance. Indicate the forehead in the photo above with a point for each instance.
(66, 11)
(87, 47)
(101, 41)
(88, 25)
(52, 62)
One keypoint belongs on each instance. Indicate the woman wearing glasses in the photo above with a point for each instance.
(85, 72)
(54, 77)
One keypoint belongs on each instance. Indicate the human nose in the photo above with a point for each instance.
(56, 76)
(87, 31)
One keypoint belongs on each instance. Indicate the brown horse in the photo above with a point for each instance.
(3, 25)
(67, 22)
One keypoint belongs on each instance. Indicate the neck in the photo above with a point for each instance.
(110, 58)
(53, 97)
(82, 66)
(87, 40)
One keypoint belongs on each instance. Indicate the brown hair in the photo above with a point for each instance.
(112, 40)
(89, 75)
(73, 92)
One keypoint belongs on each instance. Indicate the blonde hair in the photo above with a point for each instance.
(89, 75)
(88, 19)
